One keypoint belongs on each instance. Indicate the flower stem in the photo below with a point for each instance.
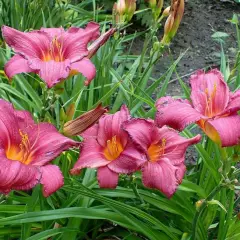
(229, 216)
(202, 207)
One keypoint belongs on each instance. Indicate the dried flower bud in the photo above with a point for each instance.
(92, 49)
(83, 122)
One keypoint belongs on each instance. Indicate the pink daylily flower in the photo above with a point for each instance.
(165, 150)
(108, 147)
(213, 107)
(53, 53)
(26, 150)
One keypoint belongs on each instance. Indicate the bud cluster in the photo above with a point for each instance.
(123, 10)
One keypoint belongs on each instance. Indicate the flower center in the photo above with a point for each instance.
(55, 52)
(20, 153)
(113, 149)
(209, 97)
(155, 151)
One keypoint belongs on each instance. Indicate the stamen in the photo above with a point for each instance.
(155, 151)
(113, 148)
(209, 100)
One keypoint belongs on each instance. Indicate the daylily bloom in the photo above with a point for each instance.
(213, 107)
(165, 152)
(53, 53)
(108, 147)
(26, 150)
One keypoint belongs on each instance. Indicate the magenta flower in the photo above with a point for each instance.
(26, 150)
(52, 53)
(213, 107)
(165, 150)
(108, 147)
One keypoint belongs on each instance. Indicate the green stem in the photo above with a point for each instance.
(135, 190)
(202, 207)
(229, 214)
(222, 214)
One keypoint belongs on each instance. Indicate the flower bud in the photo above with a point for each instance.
(158, 8)
(121, 7)
(173, 21)
(130, 8)
(168, 25)
(166, 12)
(152, 3)
(83, 122)
(199, 203)
(70, 111)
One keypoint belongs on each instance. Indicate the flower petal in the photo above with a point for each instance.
(181, 169)
(207, 87)
(175, 113)
(16, 176)
(52, 179)
(75, 42)
(176, 145)
(111, 125)
(130, 160)
(234, 104)
(46, 143)
(86, 67)
(53, 32)
(31, 45)
(17, 64)
(9, 125)
(107, 178)
(161, 176)
(91, 156)
(228, 129)
(51, 72)
(143, 132)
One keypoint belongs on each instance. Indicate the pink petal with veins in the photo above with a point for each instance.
(107, 178)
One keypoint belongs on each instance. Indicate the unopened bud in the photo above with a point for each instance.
(156, 46)
(160, 5)
(168, 25)
(130, 8)
(152, 3)
(176, 13)
(92, 49)
(199, 203)
(70, 111)
(83, 122)
(166, 12)
(121, 7)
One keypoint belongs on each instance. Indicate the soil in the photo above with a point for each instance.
(201, 19)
